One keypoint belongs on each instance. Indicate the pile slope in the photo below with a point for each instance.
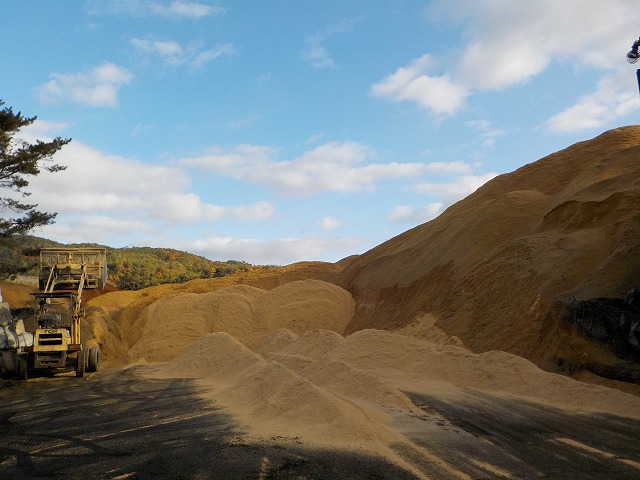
(496, 268)
(118, 320)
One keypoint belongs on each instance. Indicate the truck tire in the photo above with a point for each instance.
(93, 357)
(80, 364)
(22, 369)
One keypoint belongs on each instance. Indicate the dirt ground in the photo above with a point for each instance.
(119, 424)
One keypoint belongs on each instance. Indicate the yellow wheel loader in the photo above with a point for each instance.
(57, 346)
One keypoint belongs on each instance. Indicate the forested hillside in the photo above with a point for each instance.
(130, 268)
(133, 268)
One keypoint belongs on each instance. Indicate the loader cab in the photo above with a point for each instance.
(51, 320)
(59, 310)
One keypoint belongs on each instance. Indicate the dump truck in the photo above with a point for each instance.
(64, 274)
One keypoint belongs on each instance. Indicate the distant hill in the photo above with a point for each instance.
(133, 268)
(129, 268)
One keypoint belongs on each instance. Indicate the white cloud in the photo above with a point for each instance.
(165, 49)
(508, 43)
(330, 223)
(441, 95)
(184, 9)
(140, 128)
(241, 158)
(485, 67)
(42, 129)
(96, 87)
(102, 190)
(330, 167)
(96, 182)
(119, 201)
(281, 251)
(205, 56)
(173, 54)
(182, 207)
(488, 133)
(103, 229)
(257, 211)
(448, 168)
(316, 137)
(315, 52)
(616, 96)
(175, 9)
(456, 190)
(407, 214)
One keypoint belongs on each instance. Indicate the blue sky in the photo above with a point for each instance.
(289, 130)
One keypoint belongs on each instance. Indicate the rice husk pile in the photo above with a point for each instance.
(328, 391)
(496, 269)
(248, 313)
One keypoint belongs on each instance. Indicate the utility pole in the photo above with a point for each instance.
(633, 56)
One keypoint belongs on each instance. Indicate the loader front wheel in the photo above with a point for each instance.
(80, 364)
(22, 368)
(93, 359)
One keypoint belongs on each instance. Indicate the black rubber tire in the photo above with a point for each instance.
(23, 369)
(80, 364)
(93, 359)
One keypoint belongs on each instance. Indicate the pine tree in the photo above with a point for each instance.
(18, 161)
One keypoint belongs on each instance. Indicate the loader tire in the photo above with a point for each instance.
(93, 359)
(80, 364)
(22, 369)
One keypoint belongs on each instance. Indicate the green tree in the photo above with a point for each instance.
(20, 160)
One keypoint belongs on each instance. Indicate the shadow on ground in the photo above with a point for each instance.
(117, 424)
(484, 437)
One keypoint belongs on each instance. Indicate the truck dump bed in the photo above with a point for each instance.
(69, 268)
